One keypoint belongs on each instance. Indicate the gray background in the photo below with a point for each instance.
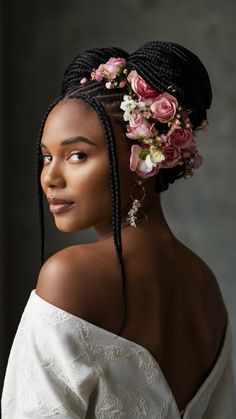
(38, 40)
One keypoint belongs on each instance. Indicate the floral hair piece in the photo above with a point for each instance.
(161, 128)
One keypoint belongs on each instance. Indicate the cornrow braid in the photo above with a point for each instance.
(162, 64)
(83, 64)
(115, 186)
(110, 99)
(114, 176)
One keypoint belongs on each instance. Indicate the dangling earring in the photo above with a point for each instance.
(137, 203)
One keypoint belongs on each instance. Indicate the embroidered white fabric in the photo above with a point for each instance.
(61, 366)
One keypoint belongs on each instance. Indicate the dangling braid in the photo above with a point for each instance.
(161, 64)
(115, 186)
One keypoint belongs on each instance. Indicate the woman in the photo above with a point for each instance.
(134, 325)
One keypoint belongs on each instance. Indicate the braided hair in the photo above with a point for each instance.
(160, 64)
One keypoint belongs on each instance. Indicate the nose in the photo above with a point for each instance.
(52, 176)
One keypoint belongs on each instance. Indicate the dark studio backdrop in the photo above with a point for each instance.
(38, 41)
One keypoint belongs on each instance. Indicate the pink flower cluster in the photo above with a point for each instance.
(145, 109)
(163, 149)
(110, 70)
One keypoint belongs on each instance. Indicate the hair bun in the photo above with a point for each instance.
(162, 64)
(84, 63)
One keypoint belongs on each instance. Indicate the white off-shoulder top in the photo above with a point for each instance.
(61, 366)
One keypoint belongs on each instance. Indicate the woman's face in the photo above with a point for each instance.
(76, 168)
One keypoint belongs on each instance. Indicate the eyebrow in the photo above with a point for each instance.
(73, 140)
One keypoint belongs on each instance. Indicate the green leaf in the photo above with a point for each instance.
(143, 154)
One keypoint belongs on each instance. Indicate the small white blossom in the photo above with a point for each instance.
(108, 85)
(146, 165)
(128, 105)
(141, 105)
(157, 156)
(126, 97)
(127, 115)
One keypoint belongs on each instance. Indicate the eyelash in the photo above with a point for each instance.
(76, 153)
(72, 154)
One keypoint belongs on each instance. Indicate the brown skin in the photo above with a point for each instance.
(85, 180)
(169, 311)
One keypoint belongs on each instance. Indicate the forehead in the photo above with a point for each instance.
(72, 117)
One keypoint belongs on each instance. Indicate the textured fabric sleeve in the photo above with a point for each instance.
(223, 397)
(50, 370)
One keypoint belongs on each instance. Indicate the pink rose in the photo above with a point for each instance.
(172, 156)
(134, 157)
(140, 87)
(136, 120)
(143, 168)
(142, 129)
(180, 137)
(110, 69)
(114, 66)
(164, 107)
(98, 74)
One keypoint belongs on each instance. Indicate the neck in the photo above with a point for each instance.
(153, 223)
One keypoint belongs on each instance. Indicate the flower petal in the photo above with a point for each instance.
(134, 157)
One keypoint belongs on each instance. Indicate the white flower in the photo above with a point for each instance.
(146, 165)
(127, 115)
(127, 97)
(128, 105)
(141, 105)
(151, 160)
(157, 156)
(108, 85)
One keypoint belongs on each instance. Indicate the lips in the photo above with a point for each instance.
(57, 201)
(59, 205)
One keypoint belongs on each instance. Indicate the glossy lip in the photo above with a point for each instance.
(59, 205)
(55, 201)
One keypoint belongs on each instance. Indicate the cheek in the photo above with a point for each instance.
(91, 184)
(94, 194)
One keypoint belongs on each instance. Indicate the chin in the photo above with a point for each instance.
(67, 230)
(67, 227)
(71, 226)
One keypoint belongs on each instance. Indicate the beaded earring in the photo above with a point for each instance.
(137, 203)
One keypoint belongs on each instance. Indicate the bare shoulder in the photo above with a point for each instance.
(205, 288)
(197, 265)
(69, 280)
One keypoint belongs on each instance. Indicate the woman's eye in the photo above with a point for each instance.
(78, 156)
(45, 157)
